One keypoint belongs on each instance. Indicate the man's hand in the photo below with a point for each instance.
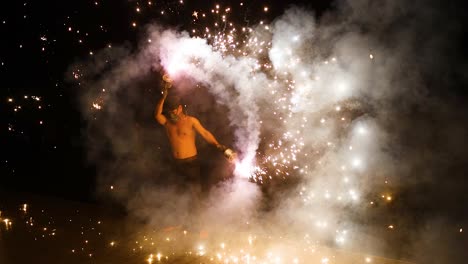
(165, 91)
(167, 79)
(230, 155)
(221, 148)
(227, 152)
(167, 83)
(159, 106)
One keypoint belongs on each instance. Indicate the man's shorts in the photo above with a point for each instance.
(188, 169)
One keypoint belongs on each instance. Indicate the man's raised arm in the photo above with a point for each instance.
(159, 106)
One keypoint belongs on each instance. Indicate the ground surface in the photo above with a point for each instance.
(35, 229)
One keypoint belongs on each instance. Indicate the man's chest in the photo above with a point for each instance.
(182, 128)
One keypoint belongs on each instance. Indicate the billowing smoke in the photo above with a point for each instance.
(332, 119)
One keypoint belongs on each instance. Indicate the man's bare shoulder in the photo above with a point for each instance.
(195, 122)
(192, 118)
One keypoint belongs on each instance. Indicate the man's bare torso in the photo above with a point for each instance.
(182, 137)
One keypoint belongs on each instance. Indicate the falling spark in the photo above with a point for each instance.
(97, 106)
(150, 259)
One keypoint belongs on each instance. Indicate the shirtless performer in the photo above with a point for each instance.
(181, 130)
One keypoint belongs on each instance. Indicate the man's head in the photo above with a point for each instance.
(173, 108)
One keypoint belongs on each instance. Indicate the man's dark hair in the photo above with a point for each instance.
(172, 102)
